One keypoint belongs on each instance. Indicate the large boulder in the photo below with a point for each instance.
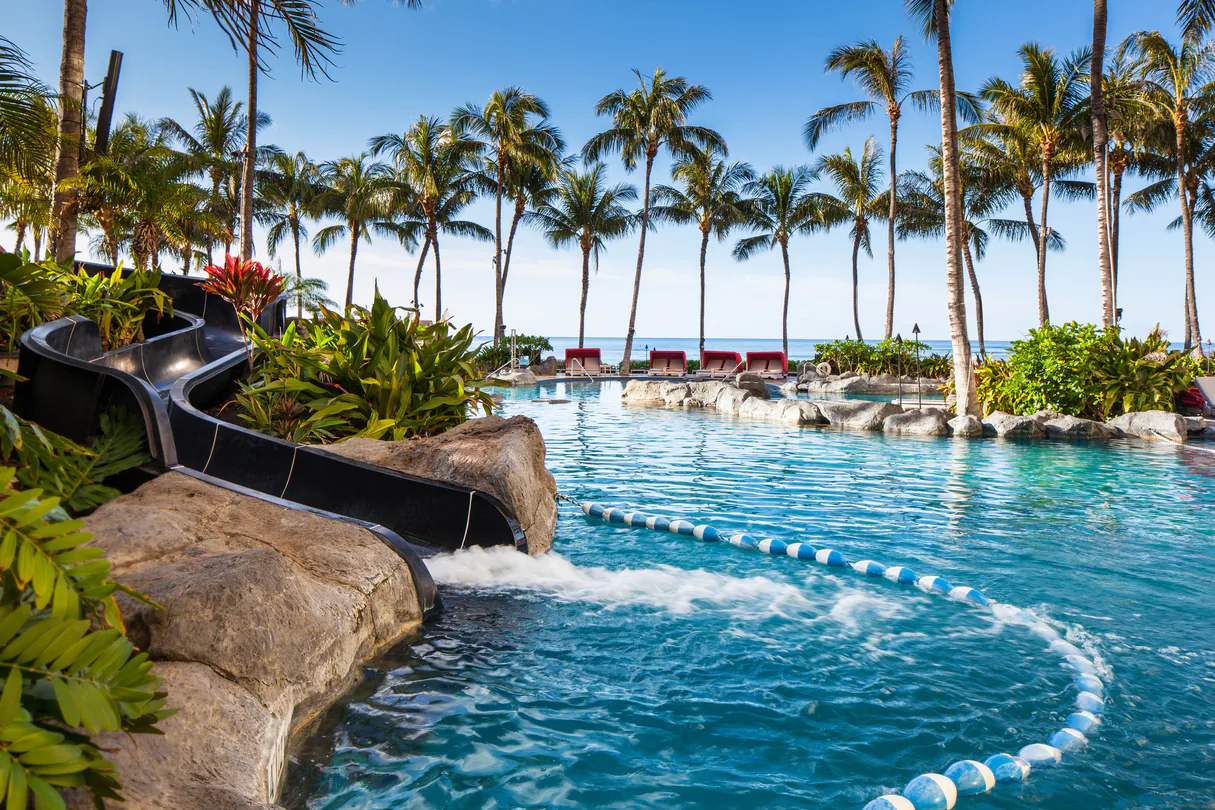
(269, 613)
(966, 426)
(750, 381)
(520, 376)
(704, 393)
(503, 457)
(545, 368)
(1151, 425)
(928, 422)
(655, 391)
(1073, 427)
(730, 399)
(1007, 426)
(857, 414)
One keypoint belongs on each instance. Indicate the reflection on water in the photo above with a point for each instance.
(637, 670)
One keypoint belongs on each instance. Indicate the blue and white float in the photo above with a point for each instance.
(930, 791)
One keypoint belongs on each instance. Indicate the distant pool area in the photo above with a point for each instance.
(632, 671)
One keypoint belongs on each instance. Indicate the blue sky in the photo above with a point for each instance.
(763, 62)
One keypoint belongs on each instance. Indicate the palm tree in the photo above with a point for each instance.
(27, 122)
(512, 129)
(1195, 17)
(884, 76)
(780, 205)
(1045, 109)
(358, 192)
(1096, 85)
(433, 170)
(251, 25)
(584, 210)
(709, 197)
(308, 294)
(530, 184)
(71, 128)
(644, 121)
(934, 15)
(289, 191)
(1177, 84)
(215, 142)
(984, 195)
(858, 192)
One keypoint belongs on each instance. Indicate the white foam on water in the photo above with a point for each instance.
(664, 587)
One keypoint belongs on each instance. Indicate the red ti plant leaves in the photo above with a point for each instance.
(247, 285)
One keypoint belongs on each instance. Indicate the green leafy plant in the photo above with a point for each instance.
(363, 373)
(1143, 375)
(886, 357)
(117, 303)
(29, 296)
(493, 356)
(69, 670)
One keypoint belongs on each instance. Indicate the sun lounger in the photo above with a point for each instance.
(769, 365)
(583, 363)
(1206, 387)
(668, 363)
(719, 364)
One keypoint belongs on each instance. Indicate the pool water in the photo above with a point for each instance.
(632, 669)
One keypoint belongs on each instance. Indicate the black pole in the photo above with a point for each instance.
(108, 91)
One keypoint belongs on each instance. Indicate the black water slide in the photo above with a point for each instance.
(191, 361)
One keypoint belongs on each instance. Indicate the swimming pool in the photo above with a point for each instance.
(635, 670)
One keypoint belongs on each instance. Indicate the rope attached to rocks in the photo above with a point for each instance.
(964, 778)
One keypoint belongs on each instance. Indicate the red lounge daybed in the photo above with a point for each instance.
(582, 362)
(720, 364)
(668, 363)
(770, 365)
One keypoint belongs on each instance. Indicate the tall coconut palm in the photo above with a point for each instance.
(433, 165)
(359, 193)
(780, 205)
(1195, 17)
(513, 129)
(885, 77)
(645, 121)
(253, 26)
(215, 142)
(1096, 85)
(585, 211)
(529, 184)
(709, 196)
(857, 182)
(1178, 85)
(71, 127)
(1046, 108)
(934, 16)
(289, 190)
(984, 195)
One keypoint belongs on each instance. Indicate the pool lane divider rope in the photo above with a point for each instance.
(930, 791)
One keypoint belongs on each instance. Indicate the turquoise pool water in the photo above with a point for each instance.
(638, 670)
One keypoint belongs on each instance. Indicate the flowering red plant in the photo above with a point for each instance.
(247, 285)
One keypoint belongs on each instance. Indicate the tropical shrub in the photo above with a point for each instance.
(249, 286)
(364, 373)
(1083, 370)
(886, 357)
(493, 356)
(32, 293)
(117, 303)
(71, 670)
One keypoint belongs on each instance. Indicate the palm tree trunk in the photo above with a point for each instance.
(417, 276)
(645, 221)
(1028, 201)
(1191, 299)
(246, 189)
(354, 250)
(1100, 158)
(499, 328)
(784, 315)
(186, 251)
(704, 250)
(21, 226)
(894, 209)
(955, 290)
(37, 243)
(586, 288)
(438, 281)
(1187, 229)
(1043, 307)
(71, 128)
(856, 313)
(1115, 219)
(974, 288)
(510, 243)
(299, 276)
